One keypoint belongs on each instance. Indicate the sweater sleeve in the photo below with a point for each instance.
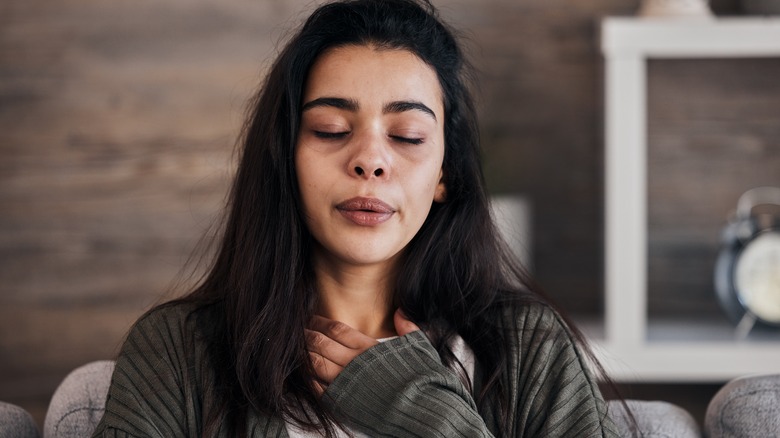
(401, 388)
(554, 392)
(147, 396)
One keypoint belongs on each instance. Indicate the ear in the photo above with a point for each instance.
(440, 195)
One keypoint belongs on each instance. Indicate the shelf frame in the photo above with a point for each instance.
(627, 43)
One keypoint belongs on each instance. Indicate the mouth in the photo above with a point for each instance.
(365, 211)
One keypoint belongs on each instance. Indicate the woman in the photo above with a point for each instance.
(358, 214)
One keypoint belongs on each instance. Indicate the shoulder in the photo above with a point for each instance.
(167, 313)
(551, 378)
(166, 321)
(542, 339)
(154, 385)
(168, 333)
(534, 318)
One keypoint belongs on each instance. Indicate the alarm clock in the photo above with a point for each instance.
(747, 270)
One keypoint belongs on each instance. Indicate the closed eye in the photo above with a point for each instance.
(407, 139)
(330, 135)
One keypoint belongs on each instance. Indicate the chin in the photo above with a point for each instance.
(366, 258)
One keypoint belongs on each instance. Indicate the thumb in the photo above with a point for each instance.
(402, 325)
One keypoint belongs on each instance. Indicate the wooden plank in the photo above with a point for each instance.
(713, 133)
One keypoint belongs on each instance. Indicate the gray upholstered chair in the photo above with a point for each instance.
(79, 402)
(15, 422)
(745, 407)
(655, 419)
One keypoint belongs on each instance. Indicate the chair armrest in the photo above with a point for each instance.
(745, 407)
(79, 402)
(15, 422)
(655, 419)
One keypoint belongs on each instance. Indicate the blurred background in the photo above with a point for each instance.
(117, 129)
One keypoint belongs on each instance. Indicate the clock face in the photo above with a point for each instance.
(757, 276)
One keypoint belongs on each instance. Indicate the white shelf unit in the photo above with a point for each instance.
(633, 347)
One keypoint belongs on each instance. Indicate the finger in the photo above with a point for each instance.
(403, 326)
(342, 333)
(325, 370)
(319, 388)
(326, 347)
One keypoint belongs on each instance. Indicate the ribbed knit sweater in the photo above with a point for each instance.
(397, 388)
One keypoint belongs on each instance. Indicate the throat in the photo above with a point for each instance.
(359, 296)
(373, 321)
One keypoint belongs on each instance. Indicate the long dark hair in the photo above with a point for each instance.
(260, 294)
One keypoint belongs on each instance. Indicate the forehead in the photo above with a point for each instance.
(371, 74)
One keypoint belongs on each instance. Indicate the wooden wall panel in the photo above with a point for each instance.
(714, 132)
(117, 126)
(541, 93)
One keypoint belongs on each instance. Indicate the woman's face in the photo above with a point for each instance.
(369, 152)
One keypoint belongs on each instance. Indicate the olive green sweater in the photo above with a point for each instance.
(397, 388)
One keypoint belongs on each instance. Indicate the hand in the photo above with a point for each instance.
(332, 345)
(402, 325)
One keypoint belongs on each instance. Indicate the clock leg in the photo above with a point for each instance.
(745, 325)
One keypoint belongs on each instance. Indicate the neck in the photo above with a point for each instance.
(359, 296)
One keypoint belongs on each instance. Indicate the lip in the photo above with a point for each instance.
(365, 211)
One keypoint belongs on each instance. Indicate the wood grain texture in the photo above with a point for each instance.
(117, 128)
(714, 132)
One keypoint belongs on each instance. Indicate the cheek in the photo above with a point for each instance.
(316, 183)
(424, 187)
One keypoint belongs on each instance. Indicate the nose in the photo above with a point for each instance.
(369, 158)
(359, 171)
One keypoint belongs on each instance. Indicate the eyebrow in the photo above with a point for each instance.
(335, 102)
(408, 105)
(353, 106)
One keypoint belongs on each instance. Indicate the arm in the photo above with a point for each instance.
(398, 388)
(553, 390)
(147, 395)
(401, 388)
